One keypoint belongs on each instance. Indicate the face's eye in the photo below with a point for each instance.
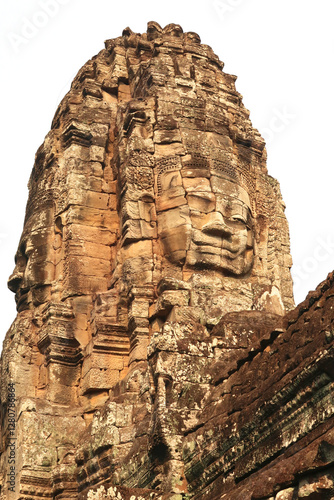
(21, 261)
(21, 257)
(239, 218)
(240, 213)
(203, 202)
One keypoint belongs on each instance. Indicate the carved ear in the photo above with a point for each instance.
(58, 238)
(59, 226)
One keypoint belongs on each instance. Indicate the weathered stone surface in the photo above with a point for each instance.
(156, 353)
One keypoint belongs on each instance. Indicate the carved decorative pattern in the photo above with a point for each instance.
(164, 165)
(141, 177)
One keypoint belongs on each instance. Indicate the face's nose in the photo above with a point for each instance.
(15, 280)
(217, 226)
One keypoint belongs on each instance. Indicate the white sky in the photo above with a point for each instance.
(281, 50)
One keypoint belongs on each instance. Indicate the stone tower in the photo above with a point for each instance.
(154, 259)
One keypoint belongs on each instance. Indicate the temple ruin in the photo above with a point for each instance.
(157, 352)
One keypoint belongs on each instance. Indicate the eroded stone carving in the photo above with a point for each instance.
(153, 269)
(208, 229)
(35, 260)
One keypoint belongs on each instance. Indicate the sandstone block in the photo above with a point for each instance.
(167, 300)
(186, 314)
(88, 198)
(102, 361)
(62, 394)
(90, 234)
(196, 184)
(167, 136)
(139, 308)
(64, 375)
(99, 378)
(104, 219)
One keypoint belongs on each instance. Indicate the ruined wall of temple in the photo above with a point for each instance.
(150, 216)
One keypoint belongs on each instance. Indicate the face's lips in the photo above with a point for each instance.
(201, 238)
(21, 298)
(230, 253)
(234, 249)
(233, 245)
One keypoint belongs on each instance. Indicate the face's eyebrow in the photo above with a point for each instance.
(206, 195)
(21, 251)
(229, 200)
(239, 203)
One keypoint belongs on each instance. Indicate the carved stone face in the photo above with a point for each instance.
(34, 268)
(206, 222)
